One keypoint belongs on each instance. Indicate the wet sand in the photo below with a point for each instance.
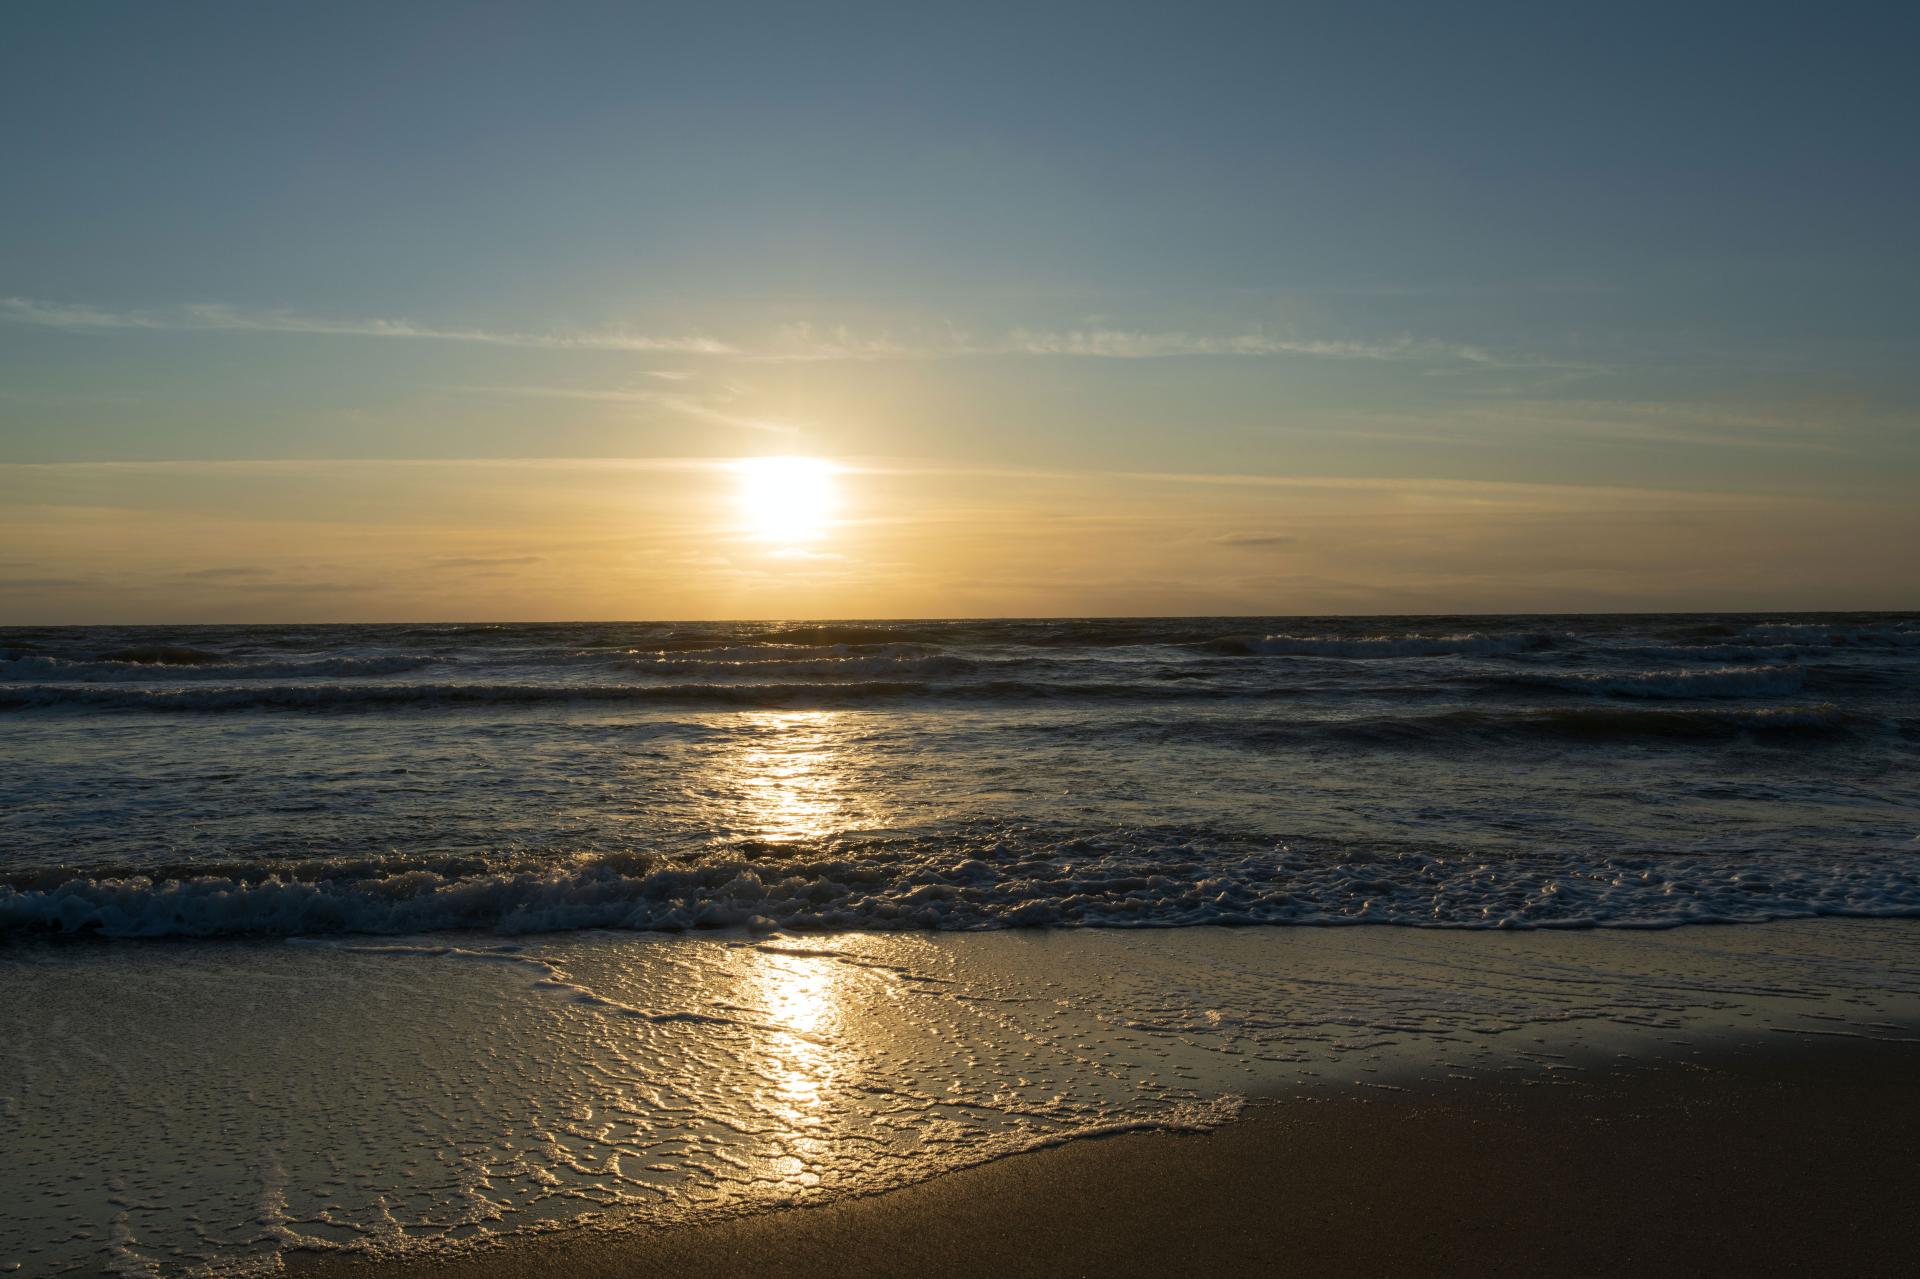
(1794, 1155)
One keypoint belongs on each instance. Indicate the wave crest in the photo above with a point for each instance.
(1473, 644)
(108, 670)
(1722, 682)
(1005, 880)
(1603, 723)
(1830, 635)
(769, 696)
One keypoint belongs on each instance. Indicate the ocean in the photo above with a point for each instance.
(402, 941)
(1470, 772)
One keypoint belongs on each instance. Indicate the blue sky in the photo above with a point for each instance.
(1614, 249)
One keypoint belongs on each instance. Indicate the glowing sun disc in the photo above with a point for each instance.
(786, 499)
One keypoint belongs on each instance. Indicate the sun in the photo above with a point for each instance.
(786, 499)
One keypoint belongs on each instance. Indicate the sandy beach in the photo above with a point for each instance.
(1699, 1100)
(1769, 1159)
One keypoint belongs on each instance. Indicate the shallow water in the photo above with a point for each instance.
(1466, 772)
(197, 1107)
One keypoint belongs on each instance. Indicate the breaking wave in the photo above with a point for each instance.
(162, 655)
(1785, 745)
(1828, 635)
(766, 663)
(105, 670)
(371, 696)
(1603, 723)
(848, 636)
(1723, 682)
(1139, 879)
(1378, 646)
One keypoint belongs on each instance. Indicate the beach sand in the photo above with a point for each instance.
(1709, 1100)
(1794, 1156)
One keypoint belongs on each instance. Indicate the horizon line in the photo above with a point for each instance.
(788, 620)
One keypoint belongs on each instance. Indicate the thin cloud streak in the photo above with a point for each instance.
(1257, 541)
(1631, 422)
(790, 343)
(485, 561)
(1399, 485)
(674, 403)
(1406, 486)
(219, 318)
(804, 342)
(290, 464)
(1117, 344)
(1402, 485)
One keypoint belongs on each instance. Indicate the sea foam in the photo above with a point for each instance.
(1146, 879)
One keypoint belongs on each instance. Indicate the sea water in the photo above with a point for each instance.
(406, 938)
(1461, 772)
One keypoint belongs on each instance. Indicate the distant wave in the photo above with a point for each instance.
(214, 668)
(739, 652)
(162, 655)
(1460, 725)
(1829, 635)
(770, 663)
(1753, 652)
(1603, 723)
(1119, 879)
(1383, 646)
(1723, 682)
(830, 636)
(1685, 637)
(367, 696)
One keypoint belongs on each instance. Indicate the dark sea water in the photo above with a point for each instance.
(1450, 771)
(683, 921)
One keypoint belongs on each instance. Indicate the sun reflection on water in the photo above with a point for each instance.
(790, 782)
(789, 779)
(800, 998)
(804, 1066)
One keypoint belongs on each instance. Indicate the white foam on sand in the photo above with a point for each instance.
(203, 1107)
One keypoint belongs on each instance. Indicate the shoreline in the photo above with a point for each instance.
(1741, 1156)
(605, 1104)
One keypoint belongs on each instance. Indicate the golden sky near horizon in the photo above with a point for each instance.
(527, 539)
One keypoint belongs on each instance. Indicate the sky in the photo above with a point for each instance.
(315, 312)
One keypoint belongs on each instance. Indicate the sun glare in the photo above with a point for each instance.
(786, 499)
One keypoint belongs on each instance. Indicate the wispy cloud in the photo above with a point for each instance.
(1489, 495)
(486, 561)
(295, 465)
(684, 405)
(787, 343)
(1649, 423)
(1120, 344)
(813, 342)
(720, 417)
(41, 583)
(220, 318)
(226, 574)
(1407, 491)
(802, 554)
(1256, 540)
